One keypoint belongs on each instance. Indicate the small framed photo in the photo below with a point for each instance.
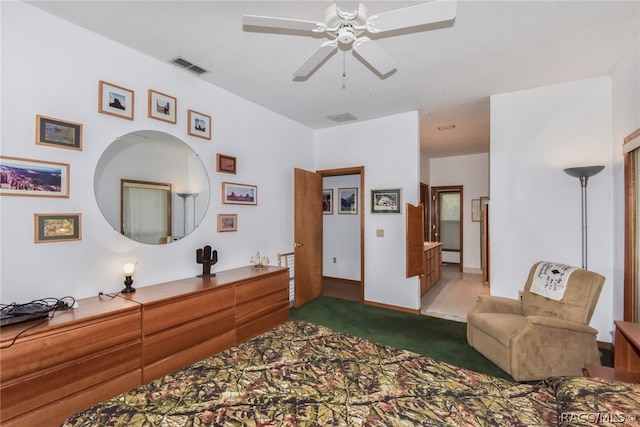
(115, 100)
(226, 164)
(162, 107)
(475, 210)
(57, 227)
(348, 200)
(35, 178)
(227, 222)
(239, 194)
(385, 201)
(199, 125)
(327, 202)
(58, 133)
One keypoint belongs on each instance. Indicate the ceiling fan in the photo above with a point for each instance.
(345, 21)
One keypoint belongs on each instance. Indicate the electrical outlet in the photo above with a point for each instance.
(380, 232)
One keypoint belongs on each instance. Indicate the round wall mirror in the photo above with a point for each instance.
(151, 187)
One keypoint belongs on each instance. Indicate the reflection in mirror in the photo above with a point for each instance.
(152, 158)
(145, 211)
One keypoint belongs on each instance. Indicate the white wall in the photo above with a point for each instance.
(388, 148)
(472, 172)
(626, 119)
(341, 232)
(535, 206)
(52, 67)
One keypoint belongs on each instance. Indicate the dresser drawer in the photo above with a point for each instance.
(267, 285)
(263, 324)
(174, 340)
(39, 352)
(258, 308)
(41, 388)
(176, 311)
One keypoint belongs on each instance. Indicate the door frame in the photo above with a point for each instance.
(435, 190)
(354, 170)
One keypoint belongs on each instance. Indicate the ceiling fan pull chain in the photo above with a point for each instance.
(344, 70)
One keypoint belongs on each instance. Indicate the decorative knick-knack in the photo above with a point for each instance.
(259, 262)
(207, 258)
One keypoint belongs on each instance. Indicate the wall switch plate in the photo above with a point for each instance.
(380, 232)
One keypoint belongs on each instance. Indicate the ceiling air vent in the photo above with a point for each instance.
(186, 65)
(344, 117)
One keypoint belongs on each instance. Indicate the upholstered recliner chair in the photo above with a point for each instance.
(547, 333)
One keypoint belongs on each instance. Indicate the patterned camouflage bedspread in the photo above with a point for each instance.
(301, 374)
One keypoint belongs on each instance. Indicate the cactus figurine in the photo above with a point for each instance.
(207, 258)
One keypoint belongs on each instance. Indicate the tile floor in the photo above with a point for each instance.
(454, 296)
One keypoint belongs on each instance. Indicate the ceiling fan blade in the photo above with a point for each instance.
(316, 58)
(374, 56)
(284, 23)
(347, 9)
(426, 13)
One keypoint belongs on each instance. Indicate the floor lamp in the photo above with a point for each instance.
(184, 196)
(583, 173)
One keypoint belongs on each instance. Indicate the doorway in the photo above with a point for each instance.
(446, 222)
(343, 254)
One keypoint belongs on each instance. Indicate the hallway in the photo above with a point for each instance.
(454, 296)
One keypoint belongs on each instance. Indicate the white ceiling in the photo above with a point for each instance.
(445, 71)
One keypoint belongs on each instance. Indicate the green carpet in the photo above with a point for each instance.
(440, 339)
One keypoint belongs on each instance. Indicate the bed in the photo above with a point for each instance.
(305, 374)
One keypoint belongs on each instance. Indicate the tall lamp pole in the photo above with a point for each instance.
(184, 197)
(583, 173)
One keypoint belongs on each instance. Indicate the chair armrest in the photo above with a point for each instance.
(551, 322)
(496, 304)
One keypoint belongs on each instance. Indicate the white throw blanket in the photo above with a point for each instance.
(550, 279)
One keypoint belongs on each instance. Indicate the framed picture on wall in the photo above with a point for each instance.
(348, 200)
(327, 201)
(58, 133)
(57, 227)
(385, 201)
(227, 222)
(115, 100)
(239, 194)
(35, 178)
(226, 164)
(162, 107)
(198, 124)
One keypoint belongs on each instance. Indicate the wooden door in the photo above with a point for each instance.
(307, 236)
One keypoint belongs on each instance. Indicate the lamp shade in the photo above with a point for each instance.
(129, 267)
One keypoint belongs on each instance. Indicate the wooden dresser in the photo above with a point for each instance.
(110, 345)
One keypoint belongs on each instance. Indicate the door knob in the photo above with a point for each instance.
(297, 244)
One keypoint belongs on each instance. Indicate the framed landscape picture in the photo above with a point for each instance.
(348, 200)
(239, 194)
(58, 133)
(162, 107)
(327, 202)
(35, 178)
(115, 100)
(385, 201)
(226, 164)
(57, 227)
(199, 125)
(227, 222)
